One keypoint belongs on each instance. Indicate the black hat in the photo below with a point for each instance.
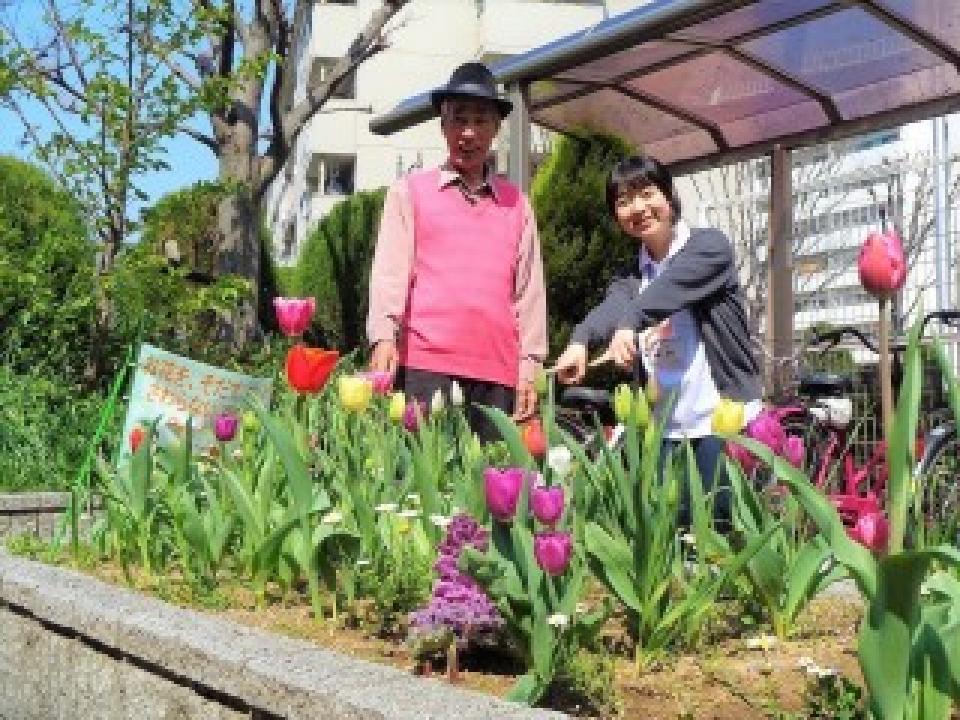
(473, 80)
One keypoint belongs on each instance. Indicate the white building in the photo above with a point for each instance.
(336, 154)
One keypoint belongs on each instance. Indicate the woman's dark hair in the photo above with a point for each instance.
(638, 171)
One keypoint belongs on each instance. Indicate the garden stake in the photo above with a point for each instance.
(453, 671)
(886, 383)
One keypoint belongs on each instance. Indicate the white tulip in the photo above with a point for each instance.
(436, 402)
(456, 394)
(560, 460)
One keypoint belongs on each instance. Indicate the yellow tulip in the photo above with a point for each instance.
(398, 403)
(727, 417)
(623, 403)
(355, 392)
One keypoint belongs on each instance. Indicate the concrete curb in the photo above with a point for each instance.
(242, 670)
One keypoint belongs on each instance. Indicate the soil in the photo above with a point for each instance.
(727, 679)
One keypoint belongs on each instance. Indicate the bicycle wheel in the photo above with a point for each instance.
(936, 475)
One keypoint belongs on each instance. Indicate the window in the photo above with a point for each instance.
(289, 240)
(320, 69)
(332, 174)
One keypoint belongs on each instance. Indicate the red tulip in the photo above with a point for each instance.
(502, 489)
(546, 503)
(882, 265)
(552, 551)
(534, 438)
(225, 427)
(137, 436)
(308, 368)
(744, 458)
(793, 450)
(294, 314)
(872, 530)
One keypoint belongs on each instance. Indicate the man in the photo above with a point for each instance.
(456, 288)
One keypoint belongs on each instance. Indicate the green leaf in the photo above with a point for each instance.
(511, 436)
(615, 563)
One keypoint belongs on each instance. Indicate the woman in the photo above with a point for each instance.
(682, 299)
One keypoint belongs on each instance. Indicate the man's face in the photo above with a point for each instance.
(469, 127)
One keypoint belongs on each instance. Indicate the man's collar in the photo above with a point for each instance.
(450, 176)
(681, 233)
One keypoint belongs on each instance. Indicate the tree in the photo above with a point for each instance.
(334, 267)
(582, 244)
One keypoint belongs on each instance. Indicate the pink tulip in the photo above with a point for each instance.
(743, 457)
(546, 503)
(552, 551)
(882, 265)
(225, 427)
(793, 450)
(413, 415)
(294, 314)
(502, 489)
(872, 530)
(767, 429)
(382, 382)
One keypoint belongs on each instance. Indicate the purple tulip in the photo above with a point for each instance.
(502, 489)
(294, 314)
(413, 415)
(547, 503)
(382, 382)
(793, 450)
(872, 530)
(225, 427)
(553, 550)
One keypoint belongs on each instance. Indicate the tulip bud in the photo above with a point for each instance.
(540, 382)
(381, 382)
(552, 551)
(436, 402)
(534, 438)
(641, 409)
(560, 460)
(766, 428)
(502, 491)
(225, 427)
(398, 403)
(251, 423)
(456, 394)
(872, 530)
(793, 450)
(547, 503)
(413, 414)
(623, 404)
(294, 314)
(137, 436)
(727, 417)
(882, 265)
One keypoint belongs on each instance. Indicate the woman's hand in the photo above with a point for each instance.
(571, 366)
(623, 347)
(384, 357)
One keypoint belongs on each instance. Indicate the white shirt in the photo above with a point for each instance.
(673, 351)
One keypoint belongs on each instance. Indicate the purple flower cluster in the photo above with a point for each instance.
(458, 603)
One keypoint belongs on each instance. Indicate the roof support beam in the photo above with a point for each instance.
(912, 31)
(780, 274)
(518, 129)
(708, 126)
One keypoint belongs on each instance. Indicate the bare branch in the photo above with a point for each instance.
(67, 42)
(201, 138)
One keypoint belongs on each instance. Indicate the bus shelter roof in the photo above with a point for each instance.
(698, 83)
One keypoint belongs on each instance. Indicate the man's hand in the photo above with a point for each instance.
(526, 402)
(623, 347)
(571, 366)
(385, 357)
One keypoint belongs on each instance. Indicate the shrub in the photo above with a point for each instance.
(334, 267)
(582, 245)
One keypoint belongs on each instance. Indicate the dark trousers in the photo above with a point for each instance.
(708, 452)
(422, 384)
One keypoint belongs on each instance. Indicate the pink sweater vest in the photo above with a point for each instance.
(460, 317)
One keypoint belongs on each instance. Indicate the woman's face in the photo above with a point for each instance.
(644, 212)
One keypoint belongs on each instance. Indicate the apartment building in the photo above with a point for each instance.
(337, 154)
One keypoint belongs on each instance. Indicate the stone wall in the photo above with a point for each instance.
(37, 513)
(75, 647)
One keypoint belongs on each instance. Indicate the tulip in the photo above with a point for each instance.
(794, 451)
(552, 551)
(294, 314)
(225, 426)
(541, 383)
(727, 417)
(872, 530)
(251, 423)
(413, 415)
(137, 436)
(623, 404)
(456, 394)
(502, 490)
(398, 403)
(766, 428)
(380, 381)
(436, 402)
(355, 392)
(534, 438)
(744, 458)
(882, 265)
(560, 460)
(308, 368)
(547, 503)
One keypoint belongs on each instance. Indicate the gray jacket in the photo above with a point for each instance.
(701, 277)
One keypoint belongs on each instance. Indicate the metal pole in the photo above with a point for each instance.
(518, 130)
(780, 273)
(941, 210)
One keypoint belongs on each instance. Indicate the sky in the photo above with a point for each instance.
(189, 160)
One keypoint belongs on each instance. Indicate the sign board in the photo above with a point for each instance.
(174, 388)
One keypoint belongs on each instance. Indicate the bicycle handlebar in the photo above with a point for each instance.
(833, 337)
